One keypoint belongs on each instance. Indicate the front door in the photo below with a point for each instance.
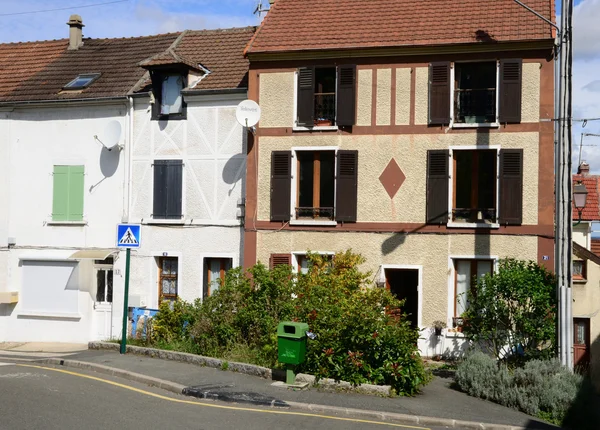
(581, 343)
(404, 284)
(103, 300)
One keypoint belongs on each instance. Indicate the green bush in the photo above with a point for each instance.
(511, 313)
(542, 388)
(361, 336)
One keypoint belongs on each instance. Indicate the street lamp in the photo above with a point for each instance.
(580, 193)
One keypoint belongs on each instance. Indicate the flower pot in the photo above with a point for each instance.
(438, 331)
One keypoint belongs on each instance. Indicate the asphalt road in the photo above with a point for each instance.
(45, 398)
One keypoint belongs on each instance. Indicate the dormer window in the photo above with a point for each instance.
(82, 81)
(168, 100)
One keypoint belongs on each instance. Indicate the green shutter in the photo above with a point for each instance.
(75, 212)
(67, 201)
(60, 200)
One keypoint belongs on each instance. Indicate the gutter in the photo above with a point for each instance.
(64, 101)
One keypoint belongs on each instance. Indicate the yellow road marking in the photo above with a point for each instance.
(209, 405)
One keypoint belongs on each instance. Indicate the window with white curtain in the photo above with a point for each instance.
(467, 273)
(171, 94)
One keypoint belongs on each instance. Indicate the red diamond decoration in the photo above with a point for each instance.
(392, 178)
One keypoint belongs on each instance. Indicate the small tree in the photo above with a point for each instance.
(511, 313)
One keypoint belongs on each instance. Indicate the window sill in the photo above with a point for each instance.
(579, 281)
(67, 223)
(50, 315)
(316, 128)
(475, 125)
(102, 306)
(452, 334)
(453, 224)
(163, 222)
(311, 222)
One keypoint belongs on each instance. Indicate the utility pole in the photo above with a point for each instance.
(563, 186)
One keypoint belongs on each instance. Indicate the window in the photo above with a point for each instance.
(167, 279)
(326, 96)
(485, 189)
(168, 99)
(466, 274)
(474, 186)
(315, 184)
(104, 280)
(82, 81)
(214, 273)
(475, 92)
(579, 270)
(325, 188)
(168, 180)
(302, 263)
(487, 92)
(67, 201)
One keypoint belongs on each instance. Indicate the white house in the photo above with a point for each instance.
(97, 132)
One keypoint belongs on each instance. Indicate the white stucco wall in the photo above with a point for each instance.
(34, 140)
(212, 146)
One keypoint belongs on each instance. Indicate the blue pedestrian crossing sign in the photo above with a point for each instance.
(128, 236)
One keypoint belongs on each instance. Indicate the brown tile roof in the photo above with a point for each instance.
(39, 70)
(591, 211)
(293, 25)
(596, 246)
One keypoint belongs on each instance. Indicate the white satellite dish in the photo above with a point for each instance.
(248, 113)
(111, 136)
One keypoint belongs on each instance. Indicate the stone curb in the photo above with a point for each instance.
(199, 360)
(348, 412)
(333, 385)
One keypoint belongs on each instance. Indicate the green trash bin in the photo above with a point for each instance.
(291, 342)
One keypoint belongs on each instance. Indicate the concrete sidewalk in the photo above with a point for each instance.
(438, 401)
(48, 347)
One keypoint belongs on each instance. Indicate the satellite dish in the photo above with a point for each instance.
(111, 135)
(248, 113)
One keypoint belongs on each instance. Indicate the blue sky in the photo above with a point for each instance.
(142, 17)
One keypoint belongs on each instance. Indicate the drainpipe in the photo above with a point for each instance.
(128, 164)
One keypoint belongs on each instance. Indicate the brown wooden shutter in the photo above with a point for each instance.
(346, 96)
(437, 186)
(306, 96)
(439, 93)
(346, 186)
(280, 260)
(510, 91)
(281, 183)
(511, 187)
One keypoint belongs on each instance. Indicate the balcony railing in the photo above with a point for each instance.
(474, 215)
(474, 106)
(315, 213)
(324, 109)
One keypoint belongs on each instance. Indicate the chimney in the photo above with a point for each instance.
(75, 37)
(583, 169)
(271, 2)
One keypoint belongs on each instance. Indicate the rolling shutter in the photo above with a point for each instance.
(511, 187)
(510, 91)
(306, 96)
(280, 260)
(346, 186)
(439, 93)
(281, 183)
(346, 96)
(437, 186)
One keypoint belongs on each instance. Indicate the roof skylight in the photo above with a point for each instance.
(82, 81)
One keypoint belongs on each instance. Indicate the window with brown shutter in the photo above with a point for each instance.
(439, 93)
(280, 260)
(347, 186)
(437, 186)
(511, 187)
(475, 92)
(510, 91)
(315, 184)
(326, 96)
(474, 187)
(281, 182)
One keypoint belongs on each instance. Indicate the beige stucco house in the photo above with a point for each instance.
(423, 145)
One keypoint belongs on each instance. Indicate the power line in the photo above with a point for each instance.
(63, 8)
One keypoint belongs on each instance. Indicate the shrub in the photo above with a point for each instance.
(543, 388)
(511, 313)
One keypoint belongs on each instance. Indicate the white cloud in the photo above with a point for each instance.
(586, 31)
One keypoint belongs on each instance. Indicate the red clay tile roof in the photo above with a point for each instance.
(293, 25)
(596, 246)
(591, 211)
(39, 70)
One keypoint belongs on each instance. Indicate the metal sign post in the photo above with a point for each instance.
(128, 236)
